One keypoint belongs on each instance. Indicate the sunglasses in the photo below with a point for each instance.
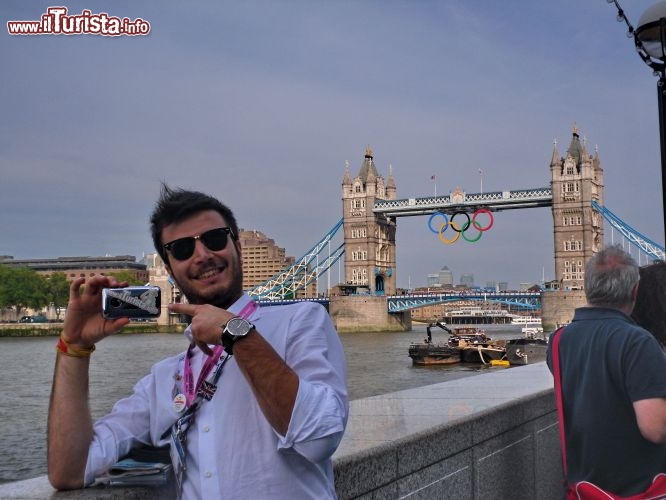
(214, 240)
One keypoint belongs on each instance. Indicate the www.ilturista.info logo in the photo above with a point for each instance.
(56, 22)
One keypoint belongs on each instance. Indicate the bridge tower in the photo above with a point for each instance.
(577, 179)
(369, 239)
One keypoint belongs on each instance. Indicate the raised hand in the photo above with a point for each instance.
(84, 323)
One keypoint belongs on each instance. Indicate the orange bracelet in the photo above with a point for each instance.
(75, 352)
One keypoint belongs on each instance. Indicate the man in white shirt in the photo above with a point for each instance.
(266, 420)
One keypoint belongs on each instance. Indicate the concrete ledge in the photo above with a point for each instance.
(493, 435)
(489, 436)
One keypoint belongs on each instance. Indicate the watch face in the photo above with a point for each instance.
(238, 327)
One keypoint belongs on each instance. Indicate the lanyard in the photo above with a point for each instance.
(204, 391)
(191, 390)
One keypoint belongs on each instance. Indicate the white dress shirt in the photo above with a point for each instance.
(232, 451)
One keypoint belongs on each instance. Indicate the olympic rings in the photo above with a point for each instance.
(443, 227)
(491, 220)
(465, 226)
(446, 221)
(471, 221)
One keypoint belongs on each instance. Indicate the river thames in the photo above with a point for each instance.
(377, 363)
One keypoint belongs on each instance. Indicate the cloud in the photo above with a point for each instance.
(262, 103)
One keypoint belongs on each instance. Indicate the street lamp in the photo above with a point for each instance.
(650, 40)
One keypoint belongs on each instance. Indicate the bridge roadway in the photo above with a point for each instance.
(399, 303)
(524, 300)
(458, 200)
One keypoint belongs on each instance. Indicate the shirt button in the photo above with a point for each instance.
(206, 429)
(208, 473)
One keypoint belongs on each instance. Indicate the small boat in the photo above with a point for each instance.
(475, 346)
(464, 336)
(532, 331)
(467, 344)
(526, 350)
(430, 353)
(482, 354)
(433, 354)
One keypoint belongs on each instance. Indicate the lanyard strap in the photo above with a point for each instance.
(207, 389)
(192, 390)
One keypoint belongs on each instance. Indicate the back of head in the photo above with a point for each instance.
(175, 205)
(610, 277)
(650, 308)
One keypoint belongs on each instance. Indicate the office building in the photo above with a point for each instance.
(263, 259)
(467, 280)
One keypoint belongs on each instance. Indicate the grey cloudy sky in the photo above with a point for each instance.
(261, 103)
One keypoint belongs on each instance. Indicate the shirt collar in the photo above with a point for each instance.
(596, 313)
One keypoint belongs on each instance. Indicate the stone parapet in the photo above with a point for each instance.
(493, 435)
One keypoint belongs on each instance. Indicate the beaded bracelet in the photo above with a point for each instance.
(75, 352)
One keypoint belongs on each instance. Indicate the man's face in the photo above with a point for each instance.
(207, 276)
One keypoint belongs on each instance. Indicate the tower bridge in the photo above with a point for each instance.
(366, 296)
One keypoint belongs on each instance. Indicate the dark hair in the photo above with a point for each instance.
(650, 308)
(610, 277)
(175, 205)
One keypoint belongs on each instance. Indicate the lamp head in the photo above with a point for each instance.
(651, 34)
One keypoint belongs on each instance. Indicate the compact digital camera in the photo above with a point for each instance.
(132, 302)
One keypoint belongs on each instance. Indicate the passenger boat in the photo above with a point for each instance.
(477, 316)
(525, 320)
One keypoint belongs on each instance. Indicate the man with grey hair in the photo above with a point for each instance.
(613, 375)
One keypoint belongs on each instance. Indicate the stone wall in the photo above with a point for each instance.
(557, 307)
(366, 313)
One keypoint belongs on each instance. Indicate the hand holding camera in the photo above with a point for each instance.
(84, 322)
(134, 302)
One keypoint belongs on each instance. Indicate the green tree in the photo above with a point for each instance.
(127, 276)
(58, 292)
(4, 295)
(22, 287)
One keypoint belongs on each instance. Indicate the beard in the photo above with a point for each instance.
(220, 296)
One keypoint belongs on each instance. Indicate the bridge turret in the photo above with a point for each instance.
(369, 237)
(577, 179)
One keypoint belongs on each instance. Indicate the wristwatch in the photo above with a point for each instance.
(235, 329)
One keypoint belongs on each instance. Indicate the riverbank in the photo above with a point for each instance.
(54, 329)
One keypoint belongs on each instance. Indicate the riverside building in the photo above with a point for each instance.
(81, 267)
